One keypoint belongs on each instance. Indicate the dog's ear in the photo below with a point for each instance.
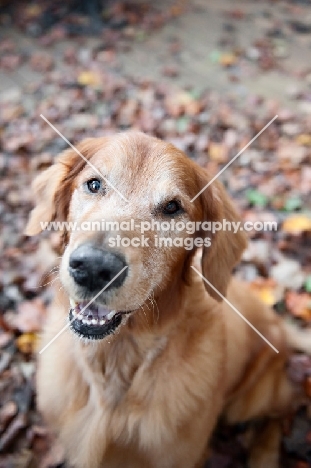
(52, 191)
(226, 247)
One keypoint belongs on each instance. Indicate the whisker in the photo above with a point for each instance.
(49, 282)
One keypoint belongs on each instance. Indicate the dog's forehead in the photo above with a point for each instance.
(143, 162)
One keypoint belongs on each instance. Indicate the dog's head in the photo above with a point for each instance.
(111, 191)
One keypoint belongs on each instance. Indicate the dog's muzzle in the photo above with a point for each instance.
(94, 269)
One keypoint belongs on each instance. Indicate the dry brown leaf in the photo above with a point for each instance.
(307, 386)
(30, 316)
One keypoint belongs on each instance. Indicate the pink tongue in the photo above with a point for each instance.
(93, 309)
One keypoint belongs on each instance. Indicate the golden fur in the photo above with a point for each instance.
(149, 396)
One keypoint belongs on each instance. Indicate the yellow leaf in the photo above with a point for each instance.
(227, 60)
(27, 343)
(266, 289)
(266, 295)
(296, 224)
(304, 139)
(89, 78)
(218, 152)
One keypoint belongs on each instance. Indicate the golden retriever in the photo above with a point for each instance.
(145, 371)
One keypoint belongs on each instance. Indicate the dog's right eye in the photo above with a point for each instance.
(94, 185)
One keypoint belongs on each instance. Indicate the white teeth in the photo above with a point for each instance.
(92, 320)
(111, 314)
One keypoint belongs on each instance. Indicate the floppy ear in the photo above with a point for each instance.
(226, 247)
(45, 187)
(52, 191)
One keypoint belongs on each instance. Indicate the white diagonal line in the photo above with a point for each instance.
(83, 157)
(235, 309)
(233, 159)
(85, 307)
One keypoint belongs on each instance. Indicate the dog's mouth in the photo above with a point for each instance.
(93, 322)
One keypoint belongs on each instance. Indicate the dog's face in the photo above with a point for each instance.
(130, 183)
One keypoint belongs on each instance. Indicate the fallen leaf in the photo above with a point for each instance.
(33, 10)
(304, 139)
(296, 224)
(27, 343)
(307, 284)
(218, 152)
(30, 316)
(227, 60)
(89, 78)
(307, 386)
(299, 304)
(293, 203)
(266, 289)
(256, 198)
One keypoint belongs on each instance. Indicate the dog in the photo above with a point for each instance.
(153, 355)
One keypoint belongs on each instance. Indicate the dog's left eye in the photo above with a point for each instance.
(94, 185)
(172, 207)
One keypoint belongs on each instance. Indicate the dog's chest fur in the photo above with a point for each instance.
(115, 414)
(110, 370)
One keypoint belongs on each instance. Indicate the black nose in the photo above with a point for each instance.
(93, 267)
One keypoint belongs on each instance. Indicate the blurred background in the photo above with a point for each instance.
(205, 75)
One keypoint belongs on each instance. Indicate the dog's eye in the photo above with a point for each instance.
(94, 185)
(172, 207)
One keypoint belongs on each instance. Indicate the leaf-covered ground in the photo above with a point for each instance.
(82, 89)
